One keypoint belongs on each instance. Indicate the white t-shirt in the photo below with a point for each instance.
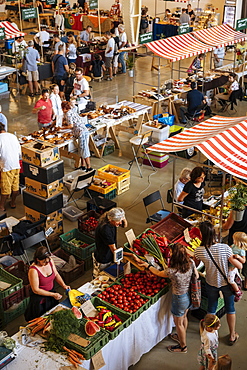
(122, 39)
(178, 188)
(72, 51)
(234, 86)
(79, 88)
(16, 46)
(44, 36)
(10, 152)
(219, 52)
(110, 44)
(56, 104)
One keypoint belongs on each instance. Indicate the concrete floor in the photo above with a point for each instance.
(22, 121)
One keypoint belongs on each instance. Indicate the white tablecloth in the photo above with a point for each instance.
(125, 350)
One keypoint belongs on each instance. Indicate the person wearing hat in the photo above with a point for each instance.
(106, 238)
(41, 275)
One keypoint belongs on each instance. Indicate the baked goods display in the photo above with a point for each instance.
(53, 135)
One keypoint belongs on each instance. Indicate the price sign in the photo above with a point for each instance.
(146, 37)
(130, 235)
(98, 360)
(88, 309)
(29, 13)
(93, 4)
(2, 33)
(185, 28)
(241, 24)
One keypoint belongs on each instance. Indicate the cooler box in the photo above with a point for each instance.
(42, 205)
(45, 175)
(159, 134)
(8, 44)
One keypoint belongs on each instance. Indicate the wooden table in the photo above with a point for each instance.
(47, 17)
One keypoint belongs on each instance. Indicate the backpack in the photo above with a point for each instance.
(144, 23)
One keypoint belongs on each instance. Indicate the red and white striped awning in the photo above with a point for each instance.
(221, 139)
(178, 47)
(10, 30)
(222, 35)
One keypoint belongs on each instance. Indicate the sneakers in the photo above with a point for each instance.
(238, 295)
(108, 79)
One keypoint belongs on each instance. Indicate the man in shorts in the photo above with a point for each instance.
(44, 109)
(10, 153)
(60, 69)
(109, 52)
(30, 62)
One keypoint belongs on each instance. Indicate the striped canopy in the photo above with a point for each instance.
(223, 140)
(222, 35)
(178, 47)
(10, 30)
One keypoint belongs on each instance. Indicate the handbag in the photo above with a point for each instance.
(237, 279)
(195, 291)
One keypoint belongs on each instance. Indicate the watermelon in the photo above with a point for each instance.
(91, 328)
(76, 312)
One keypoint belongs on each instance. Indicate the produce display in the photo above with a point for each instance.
(91, 328)
(106, 319)
(78, 243)
(114, 171)
(90, 224)
(193, 244)
(126, 299)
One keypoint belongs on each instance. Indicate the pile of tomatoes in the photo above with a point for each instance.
(90, 224)
(125, 298)
(144, 283)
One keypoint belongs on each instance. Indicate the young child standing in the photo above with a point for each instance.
(207, 355)
(239, 247)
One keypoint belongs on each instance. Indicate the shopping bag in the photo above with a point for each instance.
(195, 292)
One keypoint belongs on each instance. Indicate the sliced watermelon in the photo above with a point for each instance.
(91, 328)
(76, 312)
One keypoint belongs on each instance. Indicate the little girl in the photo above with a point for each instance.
(207, 356)
(239, 247)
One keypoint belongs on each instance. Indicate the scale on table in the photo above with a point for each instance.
(117, 258)
(116, 269)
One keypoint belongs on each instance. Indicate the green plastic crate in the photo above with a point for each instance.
(125, 317)
(15, 282)
(82, 253)
(204, 304)
(111, 195)
(11, 314)
(97, 342)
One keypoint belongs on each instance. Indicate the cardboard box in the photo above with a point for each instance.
(43, 190)
(40, 153)
(43, 205)
(45, 175)
(51, 218)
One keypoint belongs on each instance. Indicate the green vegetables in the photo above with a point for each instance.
(151, 246)
(64, 323)
(54, 344)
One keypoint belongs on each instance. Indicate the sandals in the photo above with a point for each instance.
(177, 349)
(232, 342)
(174, 337)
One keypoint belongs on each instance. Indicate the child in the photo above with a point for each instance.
(224, 363)
(238, 248)
(97, 66)
(207, 355)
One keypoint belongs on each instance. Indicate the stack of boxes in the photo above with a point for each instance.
(117, 175)
(43, 197)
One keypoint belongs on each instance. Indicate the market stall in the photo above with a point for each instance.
(94, 21)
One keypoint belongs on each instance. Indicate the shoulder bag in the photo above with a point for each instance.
(237, 279)
(195, 291)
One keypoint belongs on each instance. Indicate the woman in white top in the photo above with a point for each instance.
(71, 49)
(56, 105)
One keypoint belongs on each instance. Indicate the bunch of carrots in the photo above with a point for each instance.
(74, 357)
(38, 324)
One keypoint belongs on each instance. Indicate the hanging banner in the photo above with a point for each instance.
(146, 37)
(93, 4)
(2, 33)
(241, 24)
(183, 29)
(29, 13)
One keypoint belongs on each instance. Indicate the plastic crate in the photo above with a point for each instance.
(172, 226)
(72, 213)
(125, 317)
(101, 190)
(200, 313)
(97, 342)
(88, 263)
(113, 178)
(204, 303)
(100, 204)
(69, 276)
(16, 283)
(87, 229)
(82, 253)
(20, 270)
(123, 185)
(11, 314)
(123, 190)
(111, 195)
(194, 233)
(12, 299)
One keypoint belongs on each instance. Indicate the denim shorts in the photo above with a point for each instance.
(213, 295)
(180, 303)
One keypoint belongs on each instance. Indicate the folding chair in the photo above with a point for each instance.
(140, 141)
(31, 241)
(159, 215)
(80, 180)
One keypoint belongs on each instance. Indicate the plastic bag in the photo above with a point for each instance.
(165, 120)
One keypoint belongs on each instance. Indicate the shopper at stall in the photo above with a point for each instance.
(18, 45)
(122, 44)
(231, 94)
(42, 274)
(193, 191)
(60, 69)
(71, 49)
(221, 254)
(56, 105)
(81, 89)
(106, 238)
(241, 49)
(69, 85)
(85, 35)
(207, 355)
(144, 21)
(57, 43)
(80, 132)
(10, 153)
(219, 54)
(59, 20)
(179, 272)
(195, 102)
(196, 65)
(109, 53)
(184, 17)
(44, 109)
(115, 60)
(30, 60)
(191, 13)
(42, 38)
(97, 67)
(184, 177)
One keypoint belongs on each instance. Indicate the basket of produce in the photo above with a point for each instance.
(78, 244)
(113, 173)
(195, 241)
(102, 185)
(88, 222)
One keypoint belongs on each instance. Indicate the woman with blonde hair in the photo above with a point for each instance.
(71, 49)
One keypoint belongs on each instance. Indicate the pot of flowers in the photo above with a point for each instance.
(130, 64)
(238, 201)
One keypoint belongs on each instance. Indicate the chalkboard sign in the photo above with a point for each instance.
(146, 37)
(241, 24)
(29, 13)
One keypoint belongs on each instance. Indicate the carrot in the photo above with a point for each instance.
(67, 350)
(72, 361)
(38, 328)
(78, 354)
(46, 326)
(37, 318)
(36, 322)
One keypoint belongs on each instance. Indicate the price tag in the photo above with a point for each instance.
(98, 360)
(78, 340)
(88, 309)
(130, 235)
(49, 232)
(187, 235)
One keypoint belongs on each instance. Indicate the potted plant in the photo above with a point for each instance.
(130, 64)
(238, 201)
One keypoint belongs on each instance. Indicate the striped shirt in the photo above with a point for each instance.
(220, 253)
